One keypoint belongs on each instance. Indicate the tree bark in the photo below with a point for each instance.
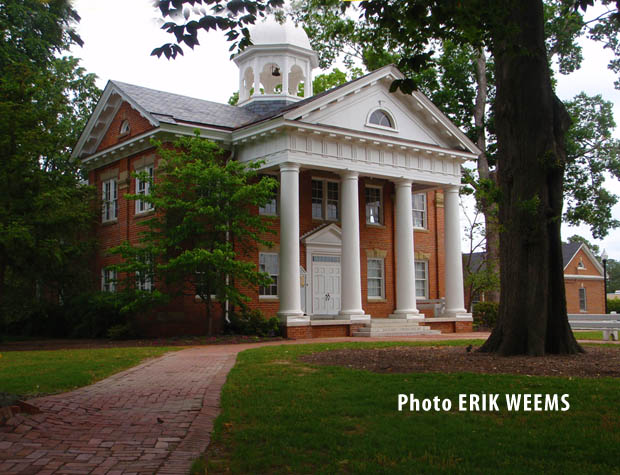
(489, 209)
(531, 123)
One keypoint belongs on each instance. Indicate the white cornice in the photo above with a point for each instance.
(583, 277)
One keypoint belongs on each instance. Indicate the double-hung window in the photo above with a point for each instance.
(418, 202)
(583, 302)
(143, 188)
(421, 279)
(144, 277)
(108, 280)
(325, 200)
(270, 209)
(376, 279)
(374, 208)
(109, 196)
(268, 263)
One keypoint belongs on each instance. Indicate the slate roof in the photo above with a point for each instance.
(568, 252)
(174, 108)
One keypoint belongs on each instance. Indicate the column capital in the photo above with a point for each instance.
(349, 175)
(403, 182)
(289, 167)
(452, 189)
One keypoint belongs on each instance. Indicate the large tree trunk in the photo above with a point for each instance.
(488, 207)
(530, 123)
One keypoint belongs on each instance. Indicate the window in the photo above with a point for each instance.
(373, 205)
(125, 128)
(144, 188)
(418, 202)
(332, 200)
(580, 265)
(382, 118)
(583, 303)
(268, 263)
(144, 278)
(421, 279)
(325, 208)
(376, 287)
(270, 209)
(109, 197)
(108, 280)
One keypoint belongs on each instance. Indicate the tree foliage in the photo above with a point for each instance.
(45, 210)
(206, 220)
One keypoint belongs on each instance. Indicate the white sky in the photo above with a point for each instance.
(119, 36)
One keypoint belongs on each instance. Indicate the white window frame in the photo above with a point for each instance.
(270, 209)
(381, 278)
(425, 280)
(423, 211)
(125, 127)
(379, 126)
(325, 200)
(108, 280)
(269, 288)
(144, 188)
(109, 198)
(583, 302)
(145, 282)
(366, 205)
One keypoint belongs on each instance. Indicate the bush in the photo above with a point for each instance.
(123, 331)
(252, 322)
(613, 305)
(485, 314)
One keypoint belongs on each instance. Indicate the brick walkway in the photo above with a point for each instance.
(154, 418)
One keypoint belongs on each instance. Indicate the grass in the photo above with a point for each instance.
(588, 335)
(31, 373)
(280, 415)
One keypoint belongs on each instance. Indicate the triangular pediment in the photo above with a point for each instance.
(327, 235)
(105, 112)
(414, 117)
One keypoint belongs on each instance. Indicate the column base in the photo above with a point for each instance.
(459, 314)
(410, 316)
(293, 318)
(354, 316)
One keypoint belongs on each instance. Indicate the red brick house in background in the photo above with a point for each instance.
(368, 210)
(583, 279)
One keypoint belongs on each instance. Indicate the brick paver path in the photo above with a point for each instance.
(154, 418)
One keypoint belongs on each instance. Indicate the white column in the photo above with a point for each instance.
(308, 80)
(455, 300)
(350, 274)
(289, 294)
(405, 260)
(256, 79)
(284, 73)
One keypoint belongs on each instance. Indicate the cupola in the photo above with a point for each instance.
(273, 67)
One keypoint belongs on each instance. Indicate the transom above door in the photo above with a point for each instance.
(325, 284)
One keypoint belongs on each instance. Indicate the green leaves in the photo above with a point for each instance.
(205, 223)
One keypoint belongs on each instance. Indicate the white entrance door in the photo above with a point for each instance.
(325, 285)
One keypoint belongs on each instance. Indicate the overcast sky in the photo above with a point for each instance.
(119, 36)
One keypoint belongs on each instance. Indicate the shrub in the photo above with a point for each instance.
(252, 322)
(613, 305)
(124, 331)
(485, 314)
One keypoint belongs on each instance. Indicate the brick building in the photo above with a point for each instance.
(583, 279)
(367, 212)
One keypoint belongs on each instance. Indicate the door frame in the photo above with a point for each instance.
(327, 254)
(325, 241)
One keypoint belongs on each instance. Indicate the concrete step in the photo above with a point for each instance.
(381, 328)
(375, 334)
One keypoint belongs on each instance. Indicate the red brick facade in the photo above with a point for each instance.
(594, 288)
(186, 315)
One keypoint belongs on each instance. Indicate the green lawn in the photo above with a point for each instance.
(44, 372)
(588, 335)
(283, 416)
